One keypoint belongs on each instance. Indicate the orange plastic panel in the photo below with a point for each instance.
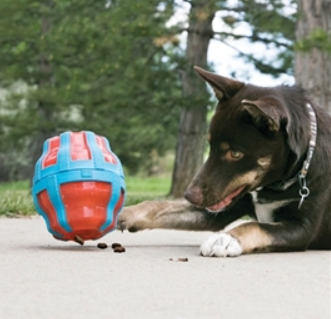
(86, 207)
(79, 149)
(51, 156)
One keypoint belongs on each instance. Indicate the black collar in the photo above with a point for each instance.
(301, 176)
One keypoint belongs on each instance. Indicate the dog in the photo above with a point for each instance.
(269, 159)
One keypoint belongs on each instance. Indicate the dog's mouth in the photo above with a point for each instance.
(226, 201)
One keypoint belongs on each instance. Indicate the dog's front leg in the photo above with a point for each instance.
(167, 214)
(179, 214)
(257, 237)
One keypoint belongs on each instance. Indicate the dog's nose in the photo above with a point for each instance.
(194, 195)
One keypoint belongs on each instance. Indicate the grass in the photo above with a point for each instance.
(16, 199)
(14, 186)
(139, 188)
(16, 203)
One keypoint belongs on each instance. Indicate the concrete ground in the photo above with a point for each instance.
(45, 278)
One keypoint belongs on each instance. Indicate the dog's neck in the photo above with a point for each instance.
(301, 176)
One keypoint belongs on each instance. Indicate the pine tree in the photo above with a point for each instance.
(89, 65)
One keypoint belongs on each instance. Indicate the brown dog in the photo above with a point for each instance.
(270, 159)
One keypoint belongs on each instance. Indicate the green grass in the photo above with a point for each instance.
(155, 186)
(146, 188)
(16, 203)
(14, 186)
(16, 199)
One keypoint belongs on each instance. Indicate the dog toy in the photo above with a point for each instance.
(78, 186)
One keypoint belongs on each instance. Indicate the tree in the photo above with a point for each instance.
(192, 126)
(116, 65)
(268, 23)
(313, 50)
(110, 63)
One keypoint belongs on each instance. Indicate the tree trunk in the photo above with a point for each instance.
(313, 55)
(192, 126)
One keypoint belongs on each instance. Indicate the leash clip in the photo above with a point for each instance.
(304, 190)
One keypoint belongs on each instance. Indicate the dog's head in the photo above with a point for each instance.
(249, 143)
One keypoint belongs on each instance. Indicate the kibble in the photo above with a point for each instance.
(79, 240)
(119, 249)
(114, 245)
(182, 259)
(102, 245)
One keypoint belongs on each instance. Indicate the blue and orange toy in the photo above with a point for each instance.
(78, 186)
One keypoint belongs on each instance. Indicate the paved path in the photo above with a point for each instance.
(45, 278)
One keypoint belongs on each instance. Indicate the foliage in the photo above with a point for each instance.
(271, 23)
(90, 65)
(319, 39)
(112, 67)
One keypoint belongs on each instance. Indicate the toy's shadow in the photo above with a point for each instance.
(93, 248)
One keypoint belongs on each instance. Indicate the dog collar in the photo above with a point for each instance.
(301, 176)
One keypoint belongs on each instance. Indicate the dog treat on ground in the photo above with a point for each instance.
(79, 240)
(119, 249)
(182, 259)
(114, 245)
(102, 245)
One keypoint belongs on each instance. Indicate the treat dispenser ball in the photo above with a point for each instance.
(78, 186)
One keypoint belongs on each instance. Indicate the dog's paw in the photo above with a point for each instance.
(221, 245)
(138, 217)
(128, 219)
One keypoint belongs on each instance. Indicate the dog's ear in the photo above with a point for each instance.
(270, 112)
(267, 112)
(223, 87)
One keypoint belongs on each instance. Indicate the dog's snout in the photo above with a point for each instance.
(194, 195)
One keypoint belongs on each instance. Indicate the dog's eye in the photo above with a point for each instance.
(235, 155)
